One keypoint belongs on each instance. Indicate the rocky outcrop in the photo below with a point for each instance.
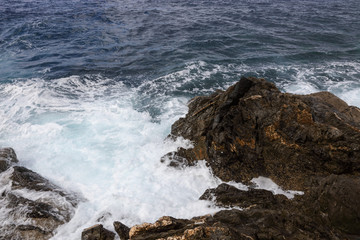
(31, 207)
(302, 142)
(252, 129)
(234, 225)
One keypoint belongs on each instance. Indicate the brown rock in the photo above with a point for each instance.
(164, 227)
(179, 229)
(252, 129)
(335, 199)
(236, 225)
(97, 232)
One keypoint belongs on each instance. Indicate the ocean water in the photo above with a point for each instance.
(89, 89)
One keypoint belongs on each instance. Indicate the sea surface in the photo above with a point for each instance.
(89, 89)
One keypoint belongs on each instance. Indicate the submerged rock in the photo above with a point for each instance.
(31, 207)
(252, 130)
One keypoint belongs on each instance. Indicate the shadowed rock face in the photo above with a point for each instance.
(7, 158)
(31, 207)
(122, 230)
(252, 129)
(97, 232)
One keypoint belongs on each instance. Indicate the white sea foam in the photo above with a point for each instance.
(268, 184)
(340, 78)
(85, 135)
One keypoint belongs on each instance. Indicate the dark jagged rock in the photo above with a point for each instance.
(97, 232)
(228, 196)
(33, 207)
(122, 230)
(7, 158)
(252, 129)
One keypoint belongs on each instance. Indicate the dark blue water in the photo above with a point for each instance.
(136, 41)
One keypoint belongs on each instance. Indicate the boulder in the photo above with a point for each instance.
(122, 230)
(252, 129)
(97, 232)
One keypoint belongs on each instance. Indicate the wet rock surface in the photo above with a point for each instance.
(122, 230)
(228, 196)
(31, 206)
